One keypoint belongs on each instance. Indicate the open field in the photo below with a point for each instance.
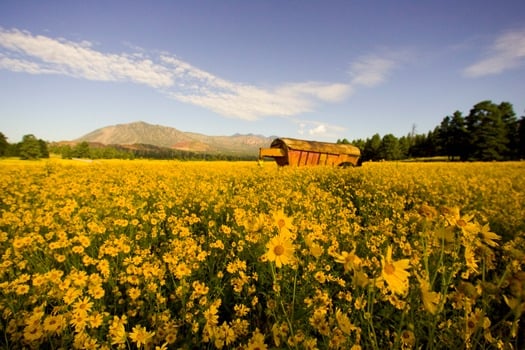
(151, 254)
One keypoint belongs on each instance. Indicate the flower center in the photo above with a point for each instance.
(278, 250)
(390, 269)
(281, 223)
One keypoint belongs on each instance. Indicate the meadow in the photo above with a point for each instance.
(232, 255)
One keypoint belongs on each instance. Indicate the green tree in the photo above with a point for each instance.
(487, 132)
(44, 152)
(389, 148)
(66, 152)
(82, 150)
(418, 146)
(459, 136)
(452, 136)
(3, 145)
(511, 125)
(521, 136)
(425, 145)
(444, 136)
(404, 146)
(371, 149)
(359, 143)
(29, 147)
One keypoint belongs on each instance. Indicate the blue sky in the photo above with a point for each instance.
(318, 70)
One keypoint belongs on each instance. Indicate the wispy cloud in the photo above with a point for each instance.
(316, 129)
(507, 52)
(248, 101)
(43, 55)
(371, 70)
(21, 51)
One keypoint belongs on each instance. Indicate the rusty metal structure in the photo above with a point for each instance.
(295, 152)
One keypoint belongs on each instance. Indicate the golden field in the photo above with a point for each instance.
(166, 254)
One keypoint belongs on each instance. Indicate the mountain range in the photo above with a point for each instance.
(167, 137)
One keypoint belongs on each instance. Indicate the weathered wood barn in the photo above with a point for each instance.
(295, 152)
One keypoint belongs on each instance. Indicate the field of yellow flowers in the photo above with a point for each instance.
(193, 255)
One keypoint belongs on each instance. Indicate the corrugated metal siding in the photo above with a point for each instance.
(315, 146)
(310, 153)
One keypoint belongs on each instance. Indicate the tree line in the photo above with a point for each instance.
(85, 150)
(489, 132)
(29, 148)
(32, 148)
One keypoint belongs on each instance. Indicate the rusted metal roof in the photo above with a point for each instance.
(294, 152)
(315, 146)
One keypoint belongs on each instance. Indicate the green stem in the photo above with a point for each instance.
(278, 293)
(293, 295)
(370, 311)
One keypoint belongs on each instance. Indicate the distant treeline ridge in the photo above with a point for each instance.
(489, 132)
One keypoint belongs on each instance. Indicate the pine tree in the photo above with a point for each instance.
(487, 132)
(3, 145)
(521, 137)
(511, 125)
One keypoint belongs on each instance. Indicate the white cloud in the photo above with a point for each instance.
(40, 54)
(371, 70)
(322, 91)
(21, 51)
(20, 65)
(301, 128)
(247, 101)
(317, 129)
(507, 52)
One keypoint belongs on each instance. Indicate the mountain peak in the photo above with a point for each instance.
(141, 132)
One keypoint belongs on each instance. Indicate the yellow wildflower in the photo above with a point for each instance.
(427, 211)
(241, 310)
(117, 330)
(344, 322)
(350, 261)
(470, 261)
(211, 316)
(280, 250)
(33, 332)
(22, 289)
(134, 293)
(408, 339)
(430, 298)
(182, 270)
(394, 273)
(257, 341)
(96, 291)
(82, 306)
(229, 333)
(282, 221)
(488, 237)
(71, 295)
(96, 320)
(60, 258)
(454, 218)
(55, 324)
(79, 321)
(141, 336)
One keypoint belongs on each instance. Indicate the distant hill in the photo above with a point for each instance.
(168, 137)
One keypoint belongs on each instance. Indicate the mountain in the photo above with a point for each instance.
(163, 136)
